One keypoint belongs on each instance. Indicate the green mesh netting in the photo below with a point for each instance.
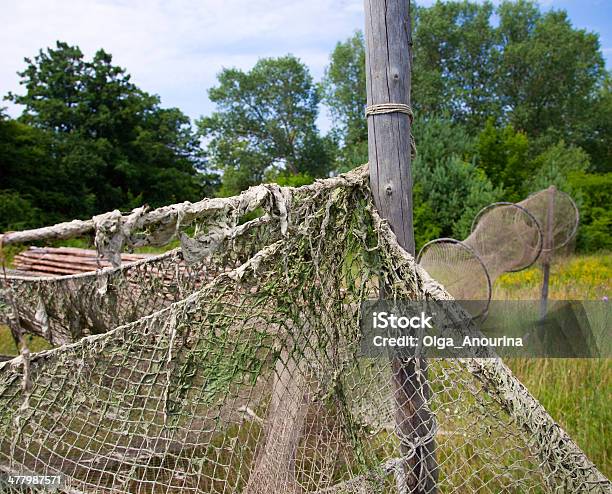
(247, 378)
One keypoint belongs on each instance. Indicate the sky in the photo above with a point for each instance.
(176, 48)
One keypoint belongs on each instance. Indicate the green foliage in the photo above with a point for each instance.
(426, 226)
(89, 140)
(28, 172)
(16, 212)
(437, 138)
(532, 70)
(296, 180)
(344, 89)
(451, 189)
(554, 165)
(494, 81)
(455, 56)
(595, 232)
(457, 190)
(265, 121)
(597, 141)
(503, 155)
(8, 347)
(352, 155)
(524, 98)
(549, 73)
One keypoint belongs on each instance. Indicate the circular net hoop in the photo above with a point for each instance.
(565, 216)
(507, 237)
(461, 270)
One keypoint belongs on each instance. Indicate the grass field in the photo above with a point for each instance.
(576, 392)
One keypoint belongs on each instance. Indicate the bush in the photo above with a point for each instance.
(16, 212)
(426, 227)
(594, 192)
(556, 164)
(503, 155)
(451, 189)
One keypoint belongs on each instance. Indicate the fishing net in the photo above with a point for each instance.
(557, 214)
(505, 237)
(254, 382)
(63, 309)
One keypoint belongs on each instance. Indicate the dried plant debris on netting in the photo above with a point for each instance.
(253, 384)
(225, 233)
(64, 309)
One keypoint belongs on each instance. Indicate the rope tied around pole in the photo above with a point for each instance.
(386, 108)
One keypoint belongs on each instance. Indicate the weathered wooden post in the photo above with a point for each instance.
(548, 246)
(388, 64)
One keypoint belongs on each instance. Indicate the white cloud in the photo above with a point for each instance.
(177, 48)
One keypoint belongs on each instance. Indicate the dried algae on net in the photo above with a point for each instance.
(252, 383)
(63, 309)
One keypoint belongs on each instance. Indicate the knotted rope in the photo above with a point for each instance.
(385, 108)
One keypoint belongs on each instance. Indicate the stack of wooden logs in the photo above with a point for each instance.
(40, 261)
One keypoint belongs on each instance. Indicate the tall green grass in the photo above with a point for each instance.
(578, 395)
(576, 392)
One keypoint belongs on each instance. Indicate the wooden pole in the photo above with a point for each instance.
(548, 248)
(388, 37)
(388, 63)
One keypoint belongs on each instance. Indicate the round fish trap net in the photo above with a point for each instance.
(557, 214)
(254, 383)
(507, 236)
(460, 269)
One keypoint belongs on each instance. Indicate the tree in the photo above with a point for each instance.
(598, 141)
(113, 145)
(16, 212)
(555, 165)
(450, 188)
(455, 56)
(532, 70)
(265, 124)
(549, 73)
(523, 101)
(29, 179)
(594, 192)
(453, 74)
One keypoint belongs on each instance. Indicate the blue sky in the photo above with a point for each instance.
(175, 48)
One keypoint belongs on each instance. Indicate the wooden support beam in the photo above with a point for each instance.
(388, 80)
